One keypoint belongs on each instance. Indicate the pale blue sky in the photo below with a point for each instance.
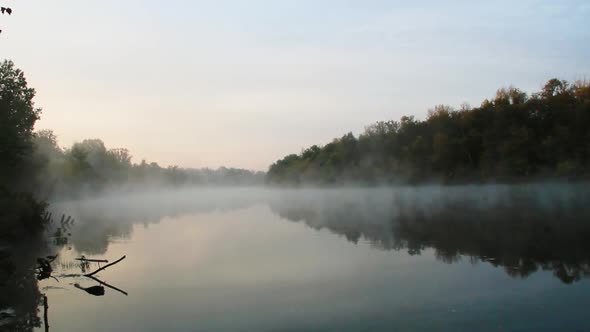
(243, 83)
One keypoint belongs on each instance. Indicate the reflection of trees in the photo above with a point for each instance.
(520, 228)
(520, 244)
(20, 300)
(20, 295)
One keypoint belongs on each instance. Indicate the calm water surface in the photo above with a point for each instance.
(427, 259)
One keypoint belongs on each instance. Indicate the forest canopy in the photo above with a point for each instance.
(89, 167)
(513, 136)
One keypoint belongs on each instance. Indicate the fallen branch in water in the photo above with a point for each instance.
(93, 290)
(45, 310)
(104, 267)
(109, 286)
(92, 260)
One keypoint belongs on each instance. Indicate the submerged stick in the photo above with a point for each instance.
(109, 286)
(92, 260)
(45, 310)
(94, 290)
(104, 267)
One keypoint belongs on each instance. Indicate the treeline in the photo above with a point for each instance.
(89, 167)
(34, 169)
(514, 136)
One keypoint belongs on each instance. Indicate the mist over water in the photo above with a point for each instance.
(242, 259)
(521, 227)
(113, 215)
(272, 166)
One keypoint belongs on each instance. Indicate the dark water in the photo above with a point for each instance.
(469, 258)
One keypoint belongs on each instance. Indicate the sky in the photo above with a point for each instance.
(244, 83)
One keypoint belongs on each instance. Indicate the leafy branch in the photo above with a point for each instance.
(5, 10)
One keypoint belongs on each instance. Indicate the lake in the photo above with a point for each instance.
(428, 258)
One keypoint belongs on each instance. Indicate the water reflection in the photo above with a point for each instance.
(19, 293)
(108, 218)
(522, 228)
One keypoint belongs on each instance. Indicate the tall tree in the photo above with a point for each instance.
(17, 119)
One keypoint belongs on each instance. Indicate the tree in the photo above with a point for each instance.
(17, 119)
(554, 87)
(510, 136)
(45, 143)
(20, 213)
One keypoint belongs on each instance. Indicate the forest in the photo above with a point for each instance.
(35, 169)
(89, 167)
(512, 137)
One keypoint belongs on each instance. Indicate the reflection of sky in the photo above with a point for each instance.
(99, 219)
(243, 83)
(248, 270)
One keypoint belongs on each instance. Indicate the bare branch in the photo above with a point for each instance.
(92, 260)
(109, 286)
(104, 267)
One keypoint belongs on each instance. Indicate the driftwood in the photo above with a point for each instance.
(104, 267)
(94, 290)
(92, 260)
(109, 286)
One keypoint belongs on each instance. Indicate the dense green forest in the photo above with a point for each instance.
(514, 136)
